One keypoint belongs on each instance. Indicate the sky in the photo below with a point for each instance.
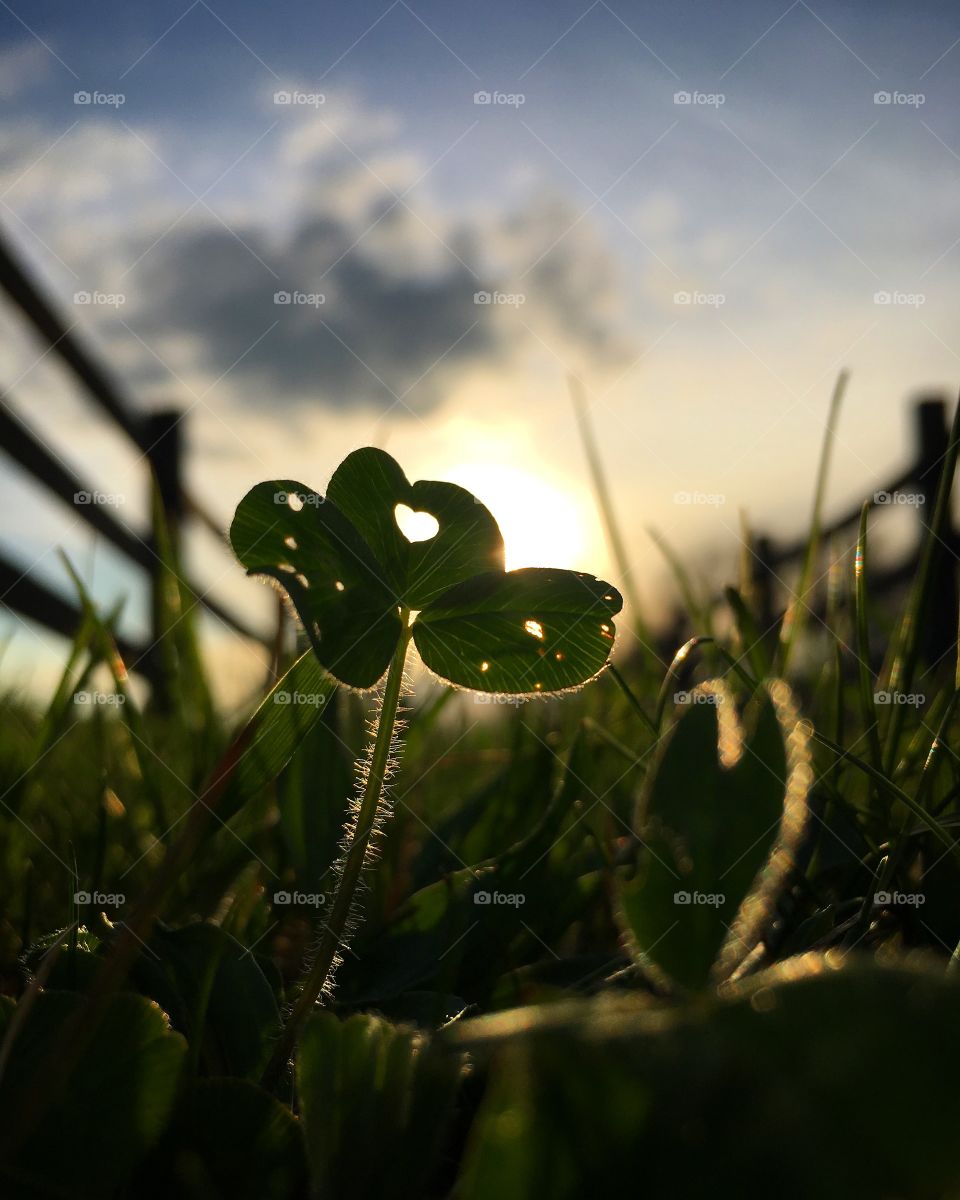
(703, 211)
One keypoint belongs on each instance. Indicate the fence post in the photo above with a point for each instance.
(163, 430)
(940, 620)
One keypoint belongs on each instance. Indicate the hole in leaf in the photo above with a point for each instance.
(338, 584)
(534, 628)
(415, 526)
(294, 501)
(484, 666)
(290, 542)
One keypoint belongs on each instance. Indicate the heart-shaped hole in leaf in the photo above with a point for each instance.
(369, 486)
(415, 526)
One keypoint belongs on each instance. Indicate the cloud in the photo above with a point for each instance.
(390, 298)
(21, 67)
(384, 301)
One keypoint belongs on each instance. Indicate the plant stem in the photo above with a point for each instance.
(353, 862)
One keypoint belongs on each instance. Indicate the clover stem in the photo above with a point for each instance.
(353, 861)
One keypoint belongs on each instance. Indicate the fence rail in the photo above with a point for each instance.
(931, 438)
(158, 439)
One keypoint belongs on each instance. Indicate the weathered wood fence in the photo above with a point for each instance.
(157, 436)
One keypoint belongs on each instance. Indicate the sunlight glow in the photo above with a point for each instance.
(542, 525)
(415, 526)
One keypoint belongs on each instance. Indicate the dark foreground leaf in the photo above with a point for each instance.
(773, 1092)
(377, 1100)
(228, 1138)
(115, 1104)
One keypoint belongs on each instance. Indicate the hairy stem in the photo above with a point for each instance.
(352, 863)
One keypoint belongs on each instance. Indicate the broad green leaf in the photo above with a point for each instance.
(312, 550)
(376, 1102)
(369, 485)
(228, 1138)
(717, 805)
(774, 1090)
(123, 1088)
(530, 631)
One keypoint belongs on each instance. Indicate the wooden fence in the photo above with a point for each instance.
(157, 437)
(919, 482)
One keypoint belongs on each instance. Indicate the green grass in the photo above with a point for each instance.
(578, 1033)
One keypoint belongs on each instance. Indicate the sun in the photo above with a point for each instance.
(542, 525)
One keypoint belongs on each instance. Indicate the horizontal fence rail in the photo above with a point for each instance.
(157, 438)
(920, 480)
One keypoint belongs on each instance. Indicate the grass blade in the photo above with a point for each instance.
(795, 618)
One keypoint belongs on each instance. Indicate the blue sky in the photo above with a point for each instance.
(705, 267)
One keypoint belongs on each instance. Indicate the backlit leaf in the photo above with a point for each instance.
(531, 631)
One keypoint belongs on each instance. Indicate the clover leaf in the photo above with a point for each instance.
(356, 580)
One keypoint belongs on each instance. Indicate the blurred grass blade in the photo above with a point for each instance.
(611, 526)
(751, 639)
(271, 735)
(889, 786)
(108, 653)
(796, 613)
(868, 710)
(633, 701)
(670, 679)
(698, 612)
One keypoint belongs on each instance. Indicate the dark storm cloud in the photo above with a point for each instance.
(398, 319)
(354, 330)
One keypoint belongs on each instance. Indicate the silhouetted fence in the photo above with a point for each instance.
(158, 438)
(931, 437)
